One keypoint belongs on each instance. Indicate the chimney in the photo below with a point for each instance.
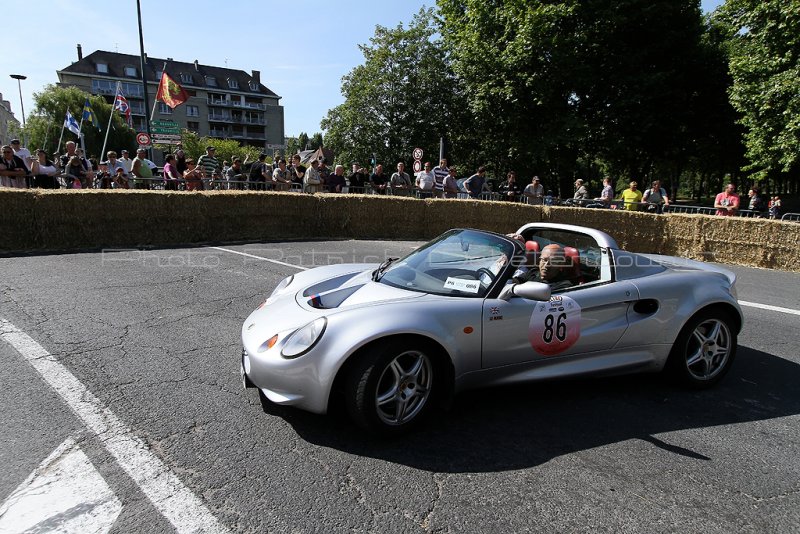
(169, 59)
(257, 76)
(80, 52)
(196, 66)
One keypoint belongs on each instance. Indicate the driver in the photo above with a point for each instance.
(554, 269)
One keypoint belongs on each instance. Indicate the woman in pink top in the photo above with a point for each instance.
(171, 174)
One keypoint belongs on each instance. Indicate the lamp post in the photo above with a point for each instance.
(19, 78)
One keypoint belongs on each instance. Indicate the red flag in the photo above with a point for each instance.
(170, 93)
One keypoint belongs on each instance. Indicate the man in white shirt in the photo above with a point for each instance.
(425, 181)
(534, 192)
(22, 153)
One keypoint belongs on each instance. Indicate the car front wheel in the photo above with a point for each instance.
(704, 350)
(390, 389)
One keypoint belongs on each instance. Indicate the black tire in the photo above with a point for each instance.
(391, 388)
(704, 350)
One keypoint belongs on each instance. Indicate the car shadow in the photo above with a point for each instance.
(511, 428)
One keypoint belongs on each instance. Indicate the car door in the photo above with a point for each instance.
(579, 320)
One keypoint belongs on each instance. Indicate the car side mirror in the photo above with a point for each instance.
(528, 290)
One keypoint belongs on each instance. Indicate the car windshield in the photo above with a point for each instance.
(460, 263)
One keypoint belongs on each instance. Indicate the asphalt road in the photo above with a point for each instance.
(154, 336)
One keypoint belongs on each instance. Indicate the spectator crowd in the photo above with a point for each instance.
(72, 170)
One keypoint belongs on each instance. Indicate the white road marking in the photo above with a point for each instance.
(768, 307)
(64, 494)
(169, 496)
(260, 258)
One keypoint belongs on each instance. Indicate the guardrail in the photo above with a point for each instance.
(791, 217)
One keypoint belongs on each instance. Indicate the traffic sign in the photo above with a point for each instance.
(417, 165)
(165, 127)
(142, 138)
(418, 154)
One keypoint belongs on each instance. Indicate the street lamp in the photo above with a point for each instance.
(19, 78)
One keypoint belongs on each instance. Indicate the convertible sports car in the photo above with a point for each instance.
(472, 309)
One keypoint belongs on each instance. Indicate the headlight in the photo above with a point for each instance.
(278, 289)
(303, 339)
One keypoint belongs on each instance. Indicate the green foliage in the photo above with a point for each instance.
(226, 149)
(316, 141)
(765, 66)
(609, 83)
(400, 98)
(50, 107)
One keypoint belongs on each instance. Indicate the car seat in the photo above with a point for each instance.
(575, 261)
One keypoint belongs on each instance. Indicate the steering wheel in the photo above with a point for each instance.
(490, 274)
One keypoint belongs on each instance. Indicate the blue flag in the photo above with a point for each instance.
(88, 114)
(71, 124)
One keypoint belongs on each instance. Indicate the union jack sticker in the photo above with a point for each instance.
(495, 310)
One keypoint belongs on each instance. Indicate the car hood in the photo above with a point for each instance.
(317, 292)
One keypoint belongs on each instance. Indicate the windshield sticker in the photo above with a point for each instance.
(459, 284)
(555, 326)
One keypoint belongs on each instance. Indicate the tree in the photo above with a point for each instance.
(764, 39)
(316, 141)
(47, 118)
(401, 97)
(302, 141)
(226, 149)
(554, 85)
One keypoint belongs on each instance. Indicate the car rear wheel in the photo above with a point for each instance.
(390, 389)
(704, 350)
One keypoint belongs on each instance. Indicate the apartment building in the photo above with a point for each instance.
(223, 103)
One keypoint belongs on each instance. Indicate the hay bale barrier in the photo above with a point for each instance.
(37, 220)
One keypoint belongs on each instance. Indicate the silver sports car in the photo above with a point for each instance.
(472, 309)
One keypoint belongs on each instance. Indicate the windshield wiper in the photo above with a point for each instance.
(376, 274)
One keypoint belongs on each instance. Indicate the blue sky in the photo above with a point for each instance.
(302, 48)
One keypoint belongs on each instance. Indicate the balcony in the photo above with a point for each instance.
(219, 117)
(254, 120)
(218, 133)
(235, 103)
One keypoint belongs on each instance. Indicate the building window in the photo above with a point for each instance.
(186, 78)
(253, 86)
(164, 109)
(159, 73)
(233, 84)
(130, 72)
(211, 81)
(102, 68)
(193, 126)
(192, 111)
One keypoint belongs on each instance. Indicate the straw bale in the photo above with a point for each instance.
(258, 216)
(368, 216)
(752, 242)
(64, 220)
(444, 214)
(633, 231)
(17, 217)
(684, 236)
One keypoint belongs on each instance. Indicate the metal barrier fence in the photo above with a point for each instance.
(159, 183)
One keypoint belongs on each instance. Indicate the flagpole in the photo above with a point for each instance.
(155, 100)
(108, 127)
(47, 134)
(61, 137)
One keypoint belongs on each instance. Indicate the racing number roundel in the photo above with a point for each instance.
(555, 325)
